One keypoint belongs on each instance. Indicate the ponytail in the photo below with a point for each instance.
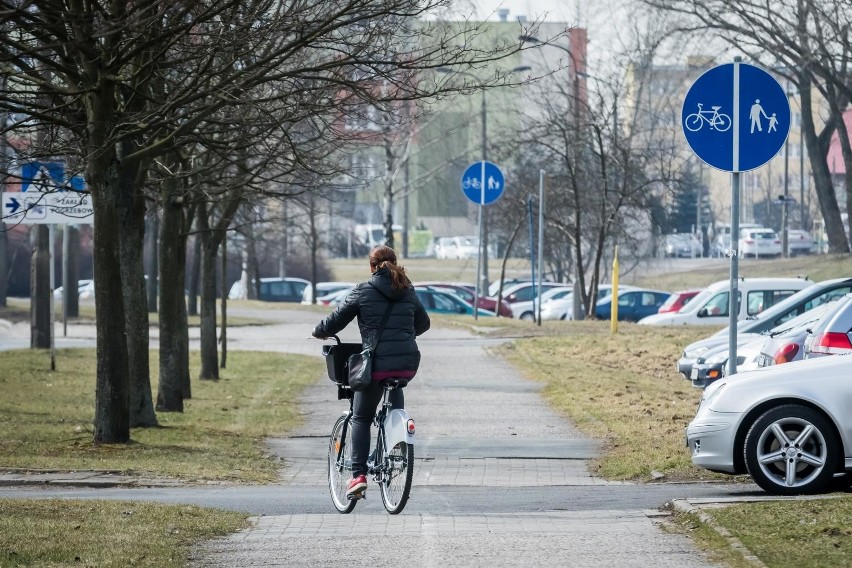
(384, 257)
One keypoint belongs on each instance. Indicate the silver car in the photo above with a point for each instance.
(833, 334)
(788, 426)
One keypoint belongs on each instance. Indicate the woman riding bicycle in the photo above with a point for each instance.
(396, 356)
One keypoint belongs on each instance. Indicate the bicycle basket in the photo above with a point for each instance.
(337, 358)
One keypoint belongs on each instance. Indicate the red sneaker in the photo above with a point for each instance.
(356, 487)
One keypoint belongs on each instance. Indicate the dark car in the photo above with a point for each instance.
(273, 290)
(465, 293)
(440, 302)
(633, 305)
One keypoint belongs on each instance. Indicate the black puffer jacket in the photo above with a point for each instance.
(397, 350)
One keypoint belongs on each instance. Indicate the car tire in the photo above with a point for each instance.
(527, 316)
(811, 465)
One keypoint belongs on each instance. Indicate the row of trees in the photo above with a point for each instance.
(196, 110)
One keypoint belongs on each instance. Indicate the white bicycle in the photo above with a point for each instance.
(391, 464)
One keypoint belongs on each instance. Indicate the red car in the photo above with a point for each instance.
(466, 294)
(678, 300)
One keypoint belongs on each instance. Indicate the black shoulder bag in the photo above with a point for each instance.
(361, 364)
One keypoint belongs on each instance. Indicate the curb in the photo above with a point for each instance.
(79, 479)
(684, 506)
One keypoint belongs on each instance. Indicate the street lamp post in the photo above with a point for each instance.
(482, 257)
(574, 102)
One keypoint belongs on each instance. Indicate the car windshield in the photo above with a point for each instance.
(808, 318)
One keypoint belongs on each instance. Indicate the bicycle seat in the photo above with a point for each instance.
(394, 382)
(716, 107)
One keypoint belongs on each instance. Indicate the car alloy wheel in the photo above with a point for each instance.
(791, 450)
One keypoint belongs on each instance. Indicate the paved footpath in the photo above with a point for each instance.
(500, 480)
(483, 431)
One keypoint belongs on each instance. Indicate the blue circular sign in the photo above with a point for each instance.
(736, 117)
(482, 182)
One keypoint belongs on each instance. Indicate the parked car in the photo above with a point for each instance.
(526, 310)
(722, 237)
(785, 343)
(833, 334)
(759, 243)
(681, 245)
(563, 308)
(441, 302)
(524, 291)
(334, 298)
(458, 247)
(799, 242)
(633, 305)
(85, 290)
(713, 364)
(799, 303)
(710, 307)
(677, 300)
(467, 293)
(323, 289)
(788, 426)
(273, 290)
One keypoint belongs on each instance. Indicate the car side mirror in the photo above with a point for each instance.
(702, 313)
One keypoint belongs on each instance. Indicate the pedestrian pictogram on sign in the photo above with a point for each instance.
(736, 117)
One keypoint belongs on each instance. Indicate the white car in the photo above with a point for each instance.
(711, 306)
(324, 289)
(457, 247)
(759, 243)
(788, 426)
(563, 308)
(525, 310)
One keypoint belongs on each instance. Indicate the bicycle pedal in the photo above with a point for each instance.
(356, 496)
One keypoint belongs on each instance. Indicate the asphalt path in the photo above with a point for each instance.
(500, 479)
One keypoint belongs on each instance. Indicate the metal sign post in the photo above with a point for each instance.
(483, 183)
(728, 139)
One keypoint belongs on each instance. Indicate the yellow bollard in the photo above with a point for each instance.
(613, 313)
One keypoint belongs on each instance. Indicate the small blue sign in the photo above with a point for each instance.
(482, 182)
(741, 137)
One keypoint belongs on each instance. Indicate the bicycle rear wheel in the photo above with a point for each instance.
(340, 464)
(396, 481)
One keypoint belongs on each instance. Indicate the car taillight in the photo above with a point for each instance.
(748, 242)
(786, 354)
(777, 242)
(831, 343)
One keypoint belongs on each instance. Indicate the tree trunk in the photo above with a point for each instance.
(40, 289)
(112, 420)
(170, 392)
(132, 238)
(194, 277)
(223, 337)
(817, 152)
(152, 236)
(4, 261)
(71, 252)
(253, 289)
(207, 253)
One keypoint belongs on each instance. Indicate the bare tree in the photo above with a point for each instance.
(805, 41)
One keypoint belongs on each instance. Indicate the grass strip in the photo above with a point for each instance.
(622, 389)
(106, 533)
(46, 417)
(805, 533)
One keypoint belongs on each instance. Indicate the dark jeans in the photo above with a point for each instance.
(364, 408)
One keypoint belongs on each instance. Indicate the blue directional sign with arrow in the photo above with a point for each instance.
(736, 117)
(12, 205)
(483, 182)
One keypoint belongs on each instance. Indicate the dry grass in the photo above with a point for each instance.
(106, 534)
(46, 417)
(622, 389)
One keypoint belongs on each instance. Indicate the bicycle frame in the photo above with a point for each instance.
(393, 427)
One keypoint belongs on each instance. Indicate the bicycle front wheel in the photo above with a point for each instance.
(396, 481)
(693, 122)
(340, 464)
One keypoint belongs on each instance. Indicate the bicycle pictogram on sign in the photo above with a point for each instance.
(713, 118)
